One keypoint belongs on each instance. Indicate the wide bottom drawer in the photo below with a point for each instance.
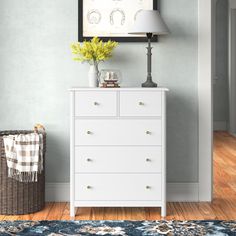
(111, 187)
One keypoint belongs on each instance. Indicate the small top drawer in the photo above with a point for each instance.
(91, 103)
(140, 103)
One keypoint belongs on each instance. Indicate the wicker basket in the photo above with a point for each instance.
(17, 198)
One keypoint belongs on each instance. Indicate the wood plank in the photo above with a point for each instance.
(154, 213)
(66, 212)
(189, 209)
(83, 213)
(138, 213)
(26, 217)
(206, 211)
(97, 213)
(11, 217)
(56, 211)
(177, 207)
(42, 215)
(110, 213)
(127, 213)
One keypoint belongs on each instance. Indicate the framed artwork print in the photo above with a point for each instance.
(111, 19)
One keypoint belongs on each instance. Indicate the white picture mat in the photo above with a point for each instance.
(111, 18)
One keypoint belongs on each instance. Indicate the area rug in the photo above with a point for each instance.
(118, 228)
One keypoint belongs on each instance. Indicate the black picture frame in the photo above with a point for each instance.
(82, 38)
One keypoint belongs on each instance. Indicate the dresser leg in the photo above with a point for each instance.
(163, 211)
(72, 211)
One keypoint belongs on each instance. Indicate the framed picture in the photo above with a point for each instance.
(111, 19)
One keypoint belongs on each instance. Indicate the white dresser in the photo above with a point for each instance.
(118, 148)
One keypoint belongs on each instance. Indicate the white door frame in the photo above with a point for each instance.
(205, 74)
(232, 72)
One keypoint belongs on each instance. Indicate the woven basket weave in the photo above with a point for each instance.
(17, 198)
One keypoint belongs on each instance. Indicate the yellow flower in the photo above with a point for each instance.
(93, 51)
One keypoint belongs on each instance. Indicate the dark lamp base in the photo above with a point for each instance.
(149, 84)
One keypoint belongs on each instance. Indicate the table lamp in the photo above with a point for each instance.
(149, 22)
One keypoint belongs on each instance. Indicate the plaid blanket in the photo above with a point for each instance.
(24, 153)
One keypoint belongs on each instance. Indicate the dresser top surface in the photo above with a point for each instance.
(118, 89)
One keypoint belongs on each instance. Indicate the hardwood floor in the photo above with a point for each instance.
(222, 207)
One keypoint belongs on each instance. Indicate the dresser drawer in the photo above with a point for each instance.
(127, 187)
(140, 103)
(118, 132)
(118, 160)
(96, 103)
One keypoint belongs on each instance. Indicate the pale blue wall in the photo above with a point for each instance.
(36, 70)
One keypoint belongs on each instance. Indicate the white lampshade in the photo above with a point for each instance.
(149, 21)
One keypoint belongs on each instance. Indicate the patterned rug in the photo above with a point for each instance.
(118, 228)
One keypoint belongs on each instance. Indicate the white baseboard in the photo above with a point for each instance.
(176, 192)
(57, 192)
(182, 192)
(220, 125)
(233, 134)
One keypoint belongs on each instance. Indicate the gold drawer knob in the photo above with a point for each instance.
(89, 132)
(148, 160)
(88, 160)
(96, 104)
(141, 104)
(148, 187)
(148, 132)
(89, 187)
